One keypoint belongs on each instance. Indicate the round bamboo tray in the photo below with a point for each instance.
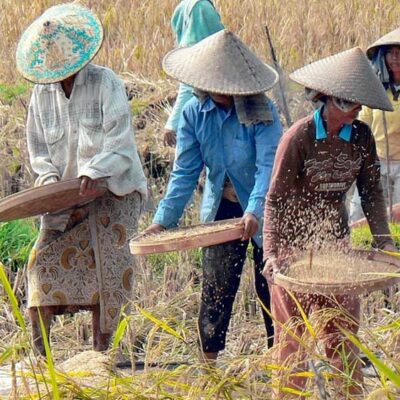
(381, 271)
(44, 199)
(190, 237)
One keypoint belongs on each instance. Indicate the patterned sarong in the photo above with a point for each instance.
(90, 262)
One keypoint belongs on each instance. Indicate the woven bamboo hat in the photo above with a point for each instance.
(390, 39)
(347, 75)
(59, 43)
(220, 63)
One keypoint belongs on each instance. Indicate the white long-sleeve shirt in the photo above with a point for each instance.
(89, 134)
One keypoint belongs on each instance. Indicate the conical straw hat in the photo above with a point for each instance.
(220, 63)
(390, 39)
(347, 75)
(59, 43)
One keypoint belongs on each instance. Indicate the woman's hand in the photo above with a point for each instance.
(89, 187)
(250, 223)
(390, 247)
(153, 228)
(270, 269)
(169, 138)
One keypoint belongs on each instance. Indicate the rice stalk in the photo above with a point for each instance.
(384, 369)
(11, 296)
(49, 358)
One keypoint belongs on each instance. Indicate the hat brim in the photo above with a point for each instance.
(390, 39)
(220, 64)
(60, 77)
(372, 50)
(347, 75)
(32, 64)
(322, 90)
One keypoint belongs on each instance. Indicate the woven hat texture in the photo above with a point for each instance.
(347, 75)
(391, 38)
(221, 63)
(59, 43)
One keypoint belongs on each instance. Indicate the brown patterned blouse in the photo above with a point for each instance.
(306, 200)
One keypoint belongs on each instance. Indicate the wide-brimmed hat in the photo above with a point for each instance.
(390, 39)
(59, 43)
(220, 63)
(347, 75)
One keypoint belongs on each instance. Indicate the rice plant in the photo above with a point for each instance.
(156, 345)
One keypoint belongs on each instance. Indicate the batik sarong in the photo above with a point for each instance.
(90, 262)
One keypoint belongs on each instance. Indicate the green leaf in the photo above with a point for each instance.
(303, 315)
(13, 300)
(379, 364)
(119, 333)
(164, 326)
(50, 363)
(391, 326)
(6, 355)
(384, 274)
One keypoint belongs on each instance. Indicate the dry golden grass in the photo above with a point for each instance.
(138, 33)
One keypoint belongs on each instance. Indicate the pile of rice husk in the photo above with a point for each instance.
(390, 392)
(188, 232)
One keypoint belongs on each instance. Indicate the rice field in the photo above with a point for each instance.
(155, 353)
(138, 32)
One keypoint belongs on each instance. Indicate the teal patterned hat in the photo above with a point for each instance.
(59, 43)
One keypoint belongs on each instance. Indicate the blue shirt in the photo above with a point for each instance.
(210, 136)
(320, 131)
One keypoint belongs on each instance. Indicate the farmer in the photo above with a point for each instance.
(192, 21)
(317, 161)
(79, 126)
(232, 129)
(385, 57)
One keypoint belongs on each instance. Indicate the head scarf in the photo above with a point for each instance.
(379, 65)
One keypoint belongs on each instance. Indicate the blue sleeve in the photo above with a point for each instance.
(204, 20)
(185, 174)
(266, 138)
(185, 93)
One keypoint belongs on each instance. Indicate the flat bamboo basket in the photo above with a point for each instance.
(359, 272)
(189, 237)
(44, 199)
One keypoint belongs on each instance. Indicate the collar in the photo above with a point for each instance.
(79, 80)
(320, 131)
(395, 90)
(249, 109)
(207, 104)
